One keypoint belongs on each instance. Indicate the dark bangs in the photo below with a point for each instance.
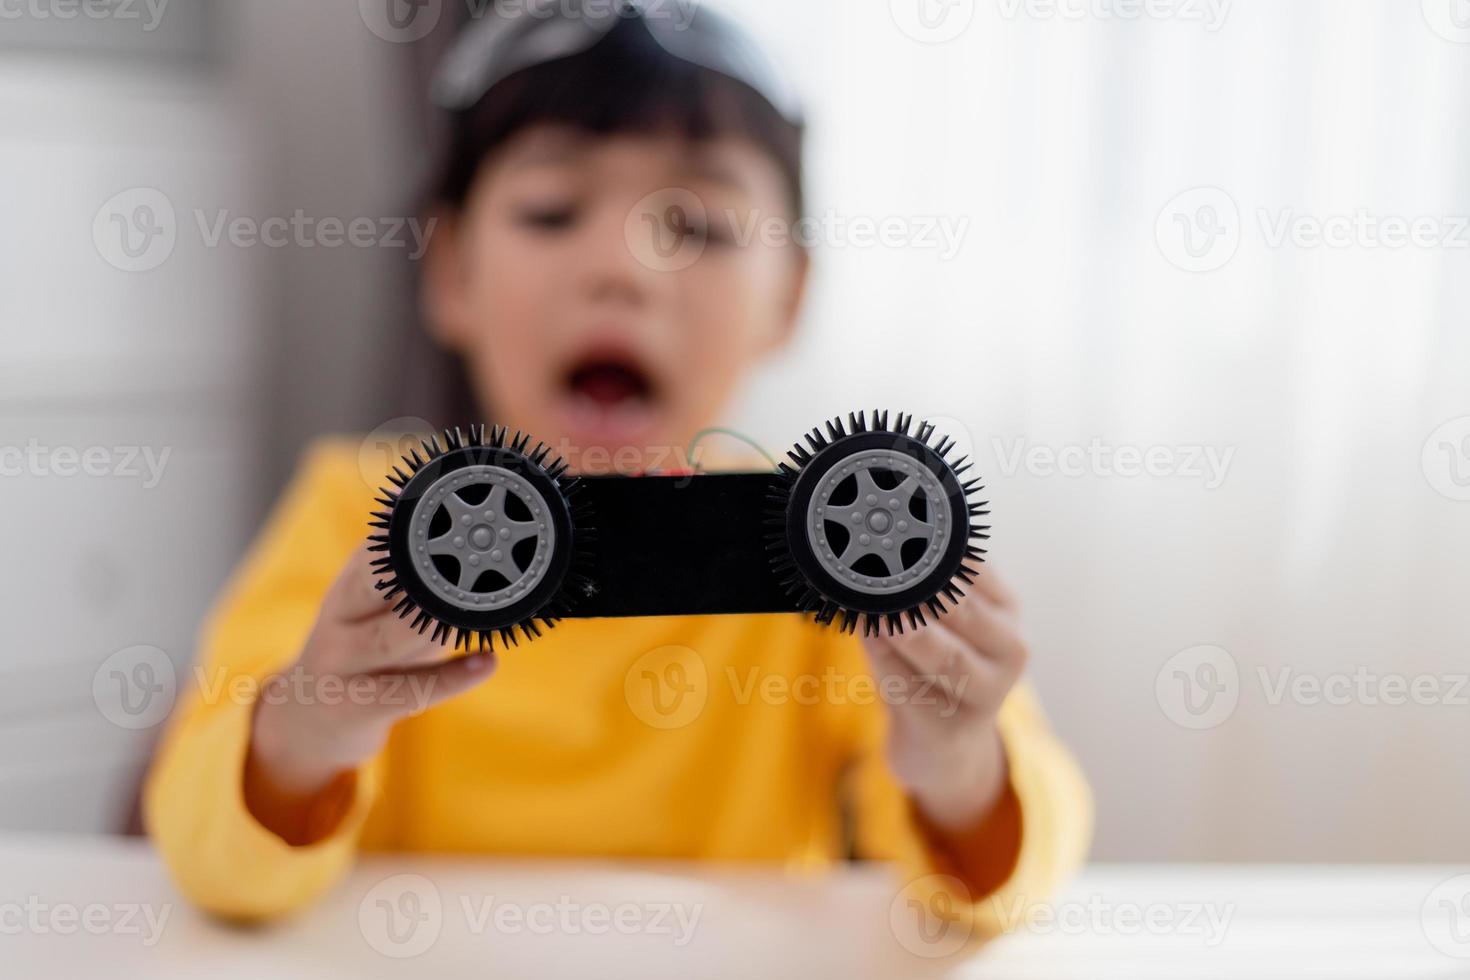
(626, 83)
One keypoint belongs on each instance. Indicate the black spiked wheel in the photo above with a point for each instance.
(482, 536)
(872, 524)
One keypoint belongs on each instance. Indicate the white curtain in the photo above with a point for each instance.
(1327, 544)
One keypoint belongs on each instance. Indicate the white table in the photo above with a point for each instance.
(79, 907)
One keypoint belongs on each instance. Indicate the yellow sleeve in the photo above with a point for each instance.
(1047, 793)
(194, 807)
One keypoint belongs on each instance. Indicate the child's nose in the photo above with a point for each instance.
(619, 260)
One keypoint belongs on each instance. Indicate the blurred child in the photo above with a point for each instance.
(563, 129)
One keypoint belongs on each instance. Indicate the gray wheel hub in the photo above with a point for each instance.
(481, 537)
(879, 522)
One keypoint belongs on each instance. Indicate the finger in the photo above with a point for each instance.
(989, 584)
(354, 597)
(905, 684)
(390, 643)
(989, 629)
(934, 649)
(399, 694)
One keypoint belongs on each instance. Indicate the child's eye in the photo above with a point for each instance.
(717, 233)
(710, 232)
(552, 218)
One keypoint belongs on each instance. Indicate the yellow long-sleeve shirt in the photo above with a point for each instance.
(723, 738)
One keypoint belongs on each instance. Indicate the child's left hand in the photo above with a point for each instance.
(946, 748)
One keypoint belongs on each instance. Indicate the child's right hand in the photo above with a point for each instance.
(361, 671)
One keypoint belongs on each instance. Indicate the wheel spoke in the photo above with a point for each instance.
(444, 544)
(904, 493)
(496, 501)
(467, 575)
(891, 559)
(917, 530)
(520, 531)
(458, 510)
(866, 487)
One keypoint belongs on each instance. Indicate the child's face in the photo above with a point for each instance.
(573, 329)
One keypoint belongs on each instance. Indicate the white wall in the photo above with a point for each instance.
(1062, 320)
(152, 374)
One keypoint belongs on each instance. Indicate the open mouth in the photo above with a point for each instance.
(609, 383)
(611, 399)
